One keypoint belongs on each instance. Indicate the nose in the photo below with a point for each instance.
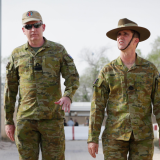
(121, 36)
(33, 29)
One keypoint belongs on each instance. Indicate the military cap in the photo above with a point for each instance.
(31, 16)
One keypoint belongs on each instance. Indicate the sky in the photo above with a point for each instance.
(79, 24)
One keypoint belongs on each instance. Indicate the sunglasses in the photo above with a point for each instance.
(36, 25)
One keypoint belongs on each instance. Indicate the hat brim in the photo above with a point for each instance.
(144, 32)
(31, 19)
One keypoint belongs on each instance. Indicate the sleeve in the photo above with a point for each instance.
(98, 104)
(10, 91)
(156, 99)
(70, 74)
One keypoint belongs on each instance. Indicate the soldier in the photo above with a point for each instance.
(127, 87)
(34, 70)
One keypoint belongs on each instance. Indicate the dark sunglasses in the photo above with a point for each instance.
(36, 25)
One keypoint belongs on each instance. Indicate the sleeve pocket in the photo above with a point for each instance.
(97, 82)
(158, 84)
(9, 69)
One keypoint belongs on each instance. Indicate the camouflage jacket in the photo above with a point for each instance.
(37, 78)
(128, 96)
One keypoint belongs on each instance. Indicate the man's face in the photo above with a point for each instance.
(34, 34)
(123, 38)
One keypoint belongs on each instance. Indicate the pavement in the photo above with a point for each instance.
(75, 150)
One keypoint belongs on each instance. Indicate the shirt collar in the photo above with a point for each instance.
(138, 62)
(45, 45)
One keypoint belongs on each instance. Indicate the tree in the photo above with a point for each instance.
(94, 61)
(154, 55)
(138, 51)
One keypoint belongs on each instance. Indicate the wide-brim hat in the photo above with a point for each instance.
(126, 24)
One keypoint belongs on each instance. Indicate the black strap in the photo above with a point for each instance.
(129, 42)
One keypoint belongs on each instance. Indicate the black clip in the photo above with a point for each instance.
(38, 67)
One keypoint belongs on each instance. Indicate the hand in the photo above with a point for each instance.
(66, 102)
(10, 131)
(92, 149)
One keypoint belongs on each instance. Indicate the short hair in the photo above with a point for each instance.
(136, 35)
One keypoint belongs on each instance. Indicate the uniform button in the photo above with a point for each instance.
(131, 88)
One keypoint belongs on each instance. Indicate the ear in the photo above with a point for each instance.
(24, 31)
(43, 26)
(137, 40)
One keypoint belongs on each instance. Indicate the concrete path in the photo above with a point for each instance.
(75, 150)
(156, 154)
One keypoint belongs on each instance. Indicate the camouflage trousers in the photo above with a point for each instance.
(137, 150)
(47, 135)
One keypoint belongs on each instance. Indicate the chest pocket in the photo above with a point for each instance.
(24, 66)
(116, 82)
(144, 83)
(50, 66)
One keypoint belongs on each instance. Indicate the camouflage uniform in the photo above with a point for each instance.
(38, 77)
(128, 95)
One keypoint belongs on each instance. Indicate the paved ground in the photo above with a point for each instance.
(75, 150)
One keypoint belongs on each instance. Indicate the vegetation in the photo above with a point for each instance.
(95, 61)
(154, 55)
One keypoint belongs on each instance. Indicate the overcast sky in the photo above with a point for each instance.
(79, 24)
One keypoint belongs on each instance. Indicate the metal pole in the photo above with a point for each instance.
(0, 67)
